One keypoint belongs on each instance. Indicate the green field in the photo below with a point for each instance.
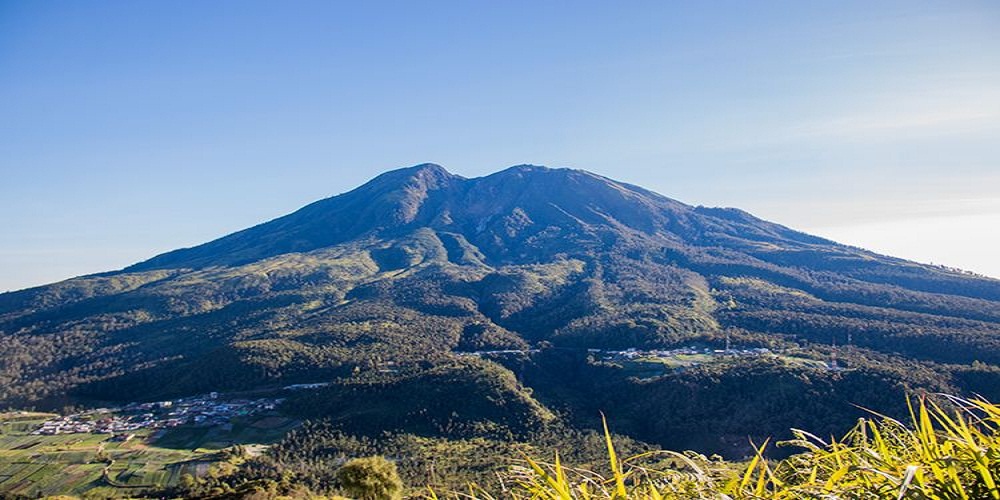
(69, 464)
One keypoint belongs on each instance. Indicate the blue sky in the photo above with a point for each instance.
(135, 127)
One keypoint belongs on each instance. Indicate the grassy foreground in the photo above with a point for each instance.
(940, 454)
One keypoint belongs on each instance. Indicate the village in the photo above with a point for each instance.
(123, 422)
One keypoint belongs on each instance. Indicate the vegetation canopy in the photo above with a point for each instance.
(371, 478)
(426, 315)
(938, 454)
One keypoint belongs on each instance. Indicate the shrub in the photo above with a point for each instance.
(371, 478)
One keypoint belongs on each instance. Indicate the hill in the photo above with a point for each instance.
(383, 289)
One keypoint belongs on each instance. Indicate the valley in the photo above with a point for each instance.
(452, 323)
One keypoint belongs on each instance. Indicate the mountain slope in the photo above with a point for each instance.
(419, 263)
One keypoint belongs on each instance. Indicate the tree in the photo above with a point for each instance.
(370, 478)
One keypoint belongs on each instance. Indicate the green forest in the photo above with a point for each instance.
(453, 336)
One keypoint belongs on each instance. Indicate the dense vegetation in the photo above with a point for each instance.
(379, 291)
(309, 459)
(948, 449)
(940, 455)
(461, 399)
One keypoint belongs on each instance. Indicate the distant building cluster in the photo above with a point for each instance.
(205, 410)
(633, 353)
(480, 354)
(301, 387)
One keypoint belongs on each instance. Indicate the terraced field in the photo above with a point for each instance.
(73, 464)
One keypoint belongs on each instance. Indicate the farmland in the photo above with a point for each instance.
(34, 465)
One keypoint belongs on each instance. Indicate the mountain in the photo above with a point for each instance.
(385, 284)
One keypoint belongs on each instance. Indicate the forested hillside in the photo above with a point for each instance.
(382, 291)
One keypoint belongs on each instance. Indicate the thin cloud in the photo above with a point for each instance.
(942, 112)
(874, 125)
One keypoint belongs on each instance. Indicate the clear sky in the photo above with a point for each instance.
(134, 127)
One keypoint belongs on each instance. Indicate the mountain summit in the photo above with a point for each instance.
(420, 264)
(522, 214)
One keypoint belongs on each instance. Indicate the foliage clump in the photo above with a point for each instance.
(370, 478)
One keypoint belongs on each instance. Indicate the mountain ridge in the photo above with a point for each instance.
(399, 196)
(418, 266)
